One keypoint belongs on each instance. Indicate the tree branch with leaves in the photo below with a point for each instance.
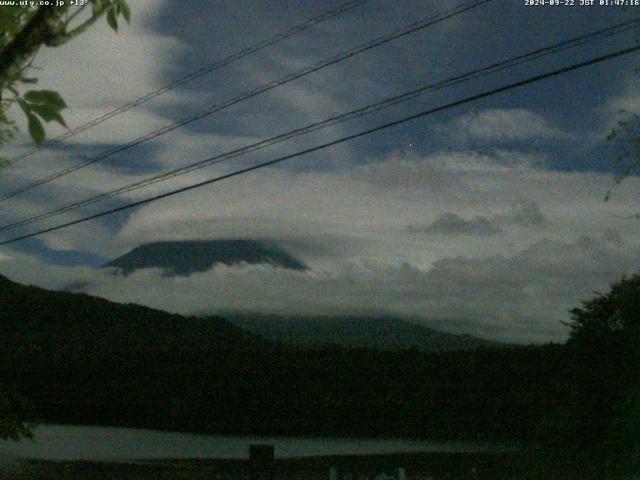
(25, 31)
(626, 135)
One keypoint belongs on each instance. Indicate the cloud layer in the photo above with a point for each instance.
(487, 220)
(522, 298)
(534, 244)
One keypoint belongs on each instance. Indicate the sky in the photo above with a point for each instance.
(487, 219)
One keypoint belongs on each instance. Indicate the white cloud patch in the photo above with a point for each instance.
(505, 125)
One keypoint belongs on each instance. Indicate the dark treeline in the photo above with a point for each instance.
(83, 360)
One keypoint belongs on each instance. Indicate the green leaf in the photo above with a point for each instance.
(26, 108)
(112, 20)
(29, 80)
(48, 114)
(36, 130)
(96, 7)
(124, 9)
(45, 97)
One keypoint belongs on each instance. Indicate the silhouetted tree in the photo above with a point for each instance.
(13, 411)
(611, 317)
(604, 349)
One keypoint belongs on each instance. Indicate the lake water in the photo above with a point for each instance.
(65, 442)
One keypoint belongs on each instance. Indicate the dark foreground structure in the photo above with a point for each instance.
(422, 466)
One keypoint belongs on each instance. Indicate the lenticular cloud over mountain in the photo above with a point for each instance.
(187, 257)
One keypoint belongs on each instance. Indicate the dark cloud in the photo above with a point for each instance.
(525, 213)
(454, 224)
(528, 214)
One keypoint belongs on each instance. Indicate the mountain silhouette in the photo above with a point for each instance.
(383, 333)
(184, 257)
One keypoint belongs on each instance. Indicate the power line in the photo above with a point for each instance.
(345, 7)
(386, 103)
(597, 35)
(414, 27)
(424, 113)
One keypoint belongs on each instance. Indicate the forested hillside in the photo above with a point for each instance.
(81, 359)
